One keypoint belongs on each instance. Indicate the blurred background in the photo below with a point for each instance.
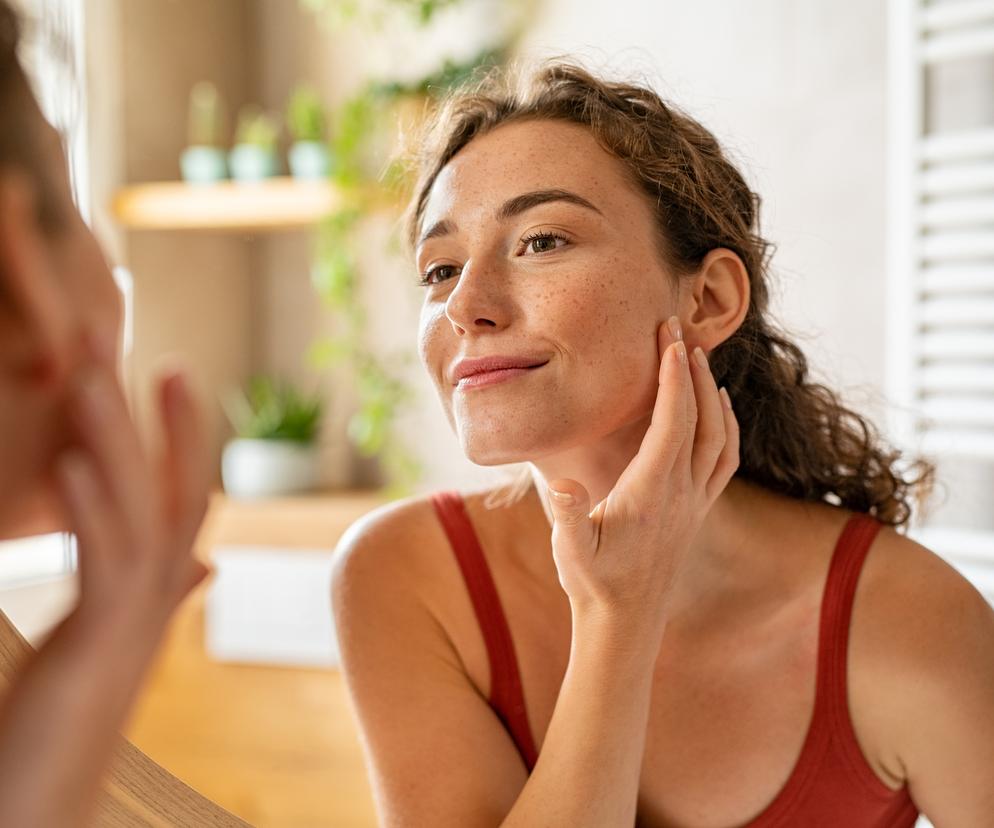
(235, 159)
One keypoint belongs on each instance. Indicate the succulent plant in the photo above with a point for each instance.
(306, 115)
(257, 128)
(268, 409)
(205, 120)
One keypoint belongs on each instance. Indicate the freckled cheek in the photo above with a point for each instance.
(594, 318)
(431, 344)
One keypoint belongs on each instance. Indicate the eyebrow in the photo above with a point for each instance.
(515, 206)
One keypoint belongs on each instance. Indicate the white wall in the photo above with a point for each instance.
(795, 89)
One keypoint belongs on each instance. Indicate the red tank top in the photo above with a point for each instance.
(832, 784)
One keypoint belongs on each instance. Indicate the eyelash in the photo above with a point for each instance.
(544, 234)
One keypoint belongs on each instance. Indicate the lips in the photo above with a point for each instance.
(479, 365)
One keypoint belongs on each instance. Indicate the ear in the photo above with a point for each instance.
(720, 297)
(36, 334)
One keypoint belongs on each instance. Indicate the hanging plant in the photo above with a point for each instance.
(336, 13)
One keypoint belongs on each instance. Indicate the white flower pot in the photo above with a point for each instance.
(203, 165)
(309, 160)
(249, 163)
(260, 468)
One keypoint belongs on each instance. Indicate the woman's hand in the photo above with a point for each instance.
(135, 521)
(621, 560)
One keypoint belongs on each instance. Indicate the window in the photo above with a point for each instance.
(940, 360)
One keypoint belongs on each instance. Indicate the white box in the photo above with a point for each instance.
(269, 605)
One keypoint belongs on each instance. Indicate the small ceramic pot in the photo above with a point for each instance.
(203, 165)
(262, 468)
(309, 160)
(251, 163)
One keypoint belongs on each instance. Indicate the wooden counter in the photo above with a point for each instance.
(275, 745)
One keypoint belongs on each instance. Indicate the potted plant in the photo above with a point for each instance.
(254, 157)
(275, 448)
(203, 161)
(309, 155)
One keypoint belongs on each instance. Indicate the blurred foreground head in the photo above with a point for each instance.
(54, 283)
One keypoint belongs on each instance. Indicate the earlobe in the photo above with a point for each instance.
(32, 302)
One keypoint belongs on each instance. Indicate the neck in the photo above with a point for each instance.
(719, 561)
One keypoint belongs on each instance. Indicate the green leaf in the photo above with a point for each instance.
(306, 117)
(267, 409)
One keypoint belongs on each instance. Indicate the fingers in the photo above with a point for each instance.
(573, 532)
(710, 434)
(574, 536)
(184, 461)
(669, 427)
(89, 513)
(101, 415)
(26, 279)
(728, 460)
(692, 440)
(197, 572)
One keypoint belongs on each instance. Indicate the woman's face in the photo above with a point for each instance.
(74, 285)
(536, 244)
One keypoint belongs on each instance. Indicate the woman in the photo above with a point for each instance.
(670, 642)
(70, 459)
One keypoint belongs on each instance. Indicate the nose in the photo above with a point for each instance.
(480, 298)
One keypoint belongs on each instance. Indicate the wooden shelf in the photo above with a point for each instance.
(274, 204)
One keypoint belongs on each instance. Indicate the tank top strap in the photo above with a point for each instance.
(506, 694)
(836, 615)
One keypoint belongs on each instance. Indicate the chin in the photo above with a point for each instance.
(495, 457)
(493, 447)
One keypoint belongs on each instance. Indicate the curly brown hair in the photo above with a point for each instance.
(797, 438)
(13, 87)
(19, 116)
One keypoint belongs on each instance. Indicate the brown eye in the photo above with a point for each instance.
(442, 272)
(544, 242)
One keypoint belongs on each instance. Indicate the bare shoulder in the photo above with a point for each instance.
(922, 635)
(907, 589)
(387, 538)
(398, 551)
(388, 588)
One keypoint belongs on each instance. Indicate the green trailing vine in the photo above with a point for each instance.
(335, 276)
(380, 391)
(339, 12)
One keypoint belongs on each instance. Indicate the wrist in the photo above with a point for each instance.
(125, 625)
(617, 636)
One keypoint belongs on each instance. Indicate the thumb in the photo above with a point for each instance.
(572, 527)
(197, 573)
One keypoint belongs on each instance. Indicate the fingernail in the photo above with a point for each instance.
(725, 398)
(699, 356)
(563, 497)
(681, 352)
(675, 329)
